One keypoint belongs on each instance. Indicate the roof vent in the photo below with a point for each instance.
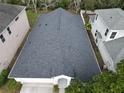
(45, 24)
(29, 42)
(111, 17)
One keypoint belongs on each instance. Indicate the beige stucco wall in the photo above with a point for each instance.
(12, 42)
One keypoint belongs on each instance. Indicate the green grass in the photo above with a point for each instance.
(32, 17)
(13, 89)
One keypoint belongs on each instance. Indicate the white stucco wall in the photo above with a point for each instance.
(62, 76)
(101, 27)
(53, 80)
(35, 80)
(41, 83)
(120, 33)
(12, 42)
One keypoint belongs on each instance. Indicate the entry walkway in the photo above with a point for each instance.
(37, 88)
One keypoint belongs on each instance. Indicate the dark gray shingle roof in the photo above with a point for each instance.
(58, 45)
(7, 14)
(115, 49)
(113, 18)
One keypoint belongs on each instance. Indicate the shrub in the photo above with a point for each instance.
(64, 4)
(5, 72)
(76, 87)
(3, 77)
(2, 80)
(56, 89)
(88, 26)
(107, 82)
(120, 68)
(13, 85)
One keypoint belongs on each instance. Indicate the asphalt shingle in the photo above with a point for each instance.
(116, 49)
(58, 45)
(7, 14)
(113, 18)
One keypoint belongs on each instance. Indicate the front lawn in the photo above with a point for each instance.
(32, 16)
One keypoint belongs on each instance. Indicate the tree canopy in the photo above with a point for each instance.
(84, 4)
(107, 82)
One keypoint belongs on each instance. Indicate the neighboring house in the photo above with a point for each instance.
(13, 28)
(108, 33)
(57, 50)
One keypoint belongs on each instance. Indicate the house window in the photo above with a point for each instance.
(96, 16)
(2, 38)
(113, 34)
(106, 32)
(16, 18)
(9, 31)
(96, 32)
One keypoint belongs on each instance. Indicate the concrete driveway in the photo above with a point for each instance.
(37, 88)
